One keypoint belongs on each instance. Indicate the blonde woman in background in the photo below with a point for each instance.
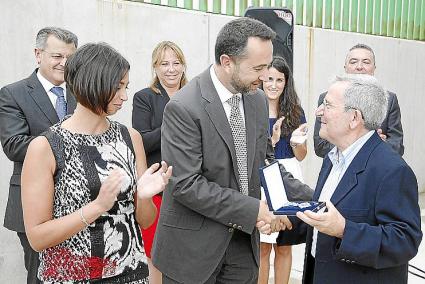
(169, 68)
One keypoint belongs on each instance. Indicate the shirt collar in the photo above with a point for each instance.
(47, 85)
(222, 91)
(346, 156)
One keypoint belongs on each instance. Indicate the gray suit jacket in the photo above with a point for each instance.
(202, 205)
(391, 126)
(25, 112)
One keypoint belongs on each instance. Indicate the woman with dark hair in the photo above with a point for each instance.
(288, 129)
(169, 68)
(85, 186)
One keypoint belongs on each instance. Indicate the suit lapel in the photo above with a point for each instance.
(215, 111)
(38, 94)
(347, 183)
(71, 103)
(357, 166)
(251, 127)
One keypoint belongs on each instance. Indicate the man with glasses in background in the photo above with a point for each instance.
(361, 60)
(27, 108)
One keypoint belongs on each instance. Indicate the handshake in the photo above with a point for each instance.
(268, 223)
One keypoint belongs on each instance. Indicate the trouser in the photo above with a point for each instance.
(310, 264)
(31, 258)
(237, 266)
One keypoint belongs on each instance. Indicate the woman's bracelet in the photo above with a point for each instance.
(82, 217)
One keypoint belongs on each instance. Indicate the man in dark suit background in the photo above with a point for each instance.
(215, 135)
(27, 108)
(361, 60)
(372, 226)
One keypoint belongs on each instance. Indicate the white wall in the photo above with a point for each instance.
(319, 54)
(134, 29)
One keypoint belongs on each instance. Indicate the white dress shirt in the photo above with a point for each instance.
(47, 85)
(340, 162)
(225, 94)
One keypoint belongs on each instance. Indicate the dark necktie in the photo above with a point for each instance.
(239, 139)
(60, 102)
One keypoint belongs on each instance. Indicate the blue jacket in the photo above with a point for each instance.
(378, 196)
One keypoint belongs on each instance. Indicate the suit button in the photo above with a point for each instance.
(230, 230)
(240, 228)
(235, 226)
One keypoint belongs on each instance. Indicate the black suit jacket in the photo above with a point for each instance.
(25, 112)
(391, 126)
(148, 108)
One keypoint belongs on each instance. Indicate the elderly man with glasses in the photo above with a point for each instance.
(371, 228)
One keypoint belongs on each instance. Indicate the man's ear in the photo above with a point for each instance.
(226, 61)
(357, 119)
(37, 53)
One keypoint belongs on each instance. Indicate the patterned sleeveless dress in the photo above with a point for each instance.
(110, 250)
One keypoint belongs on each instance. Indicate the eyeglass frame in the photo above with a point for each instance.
(327, 105)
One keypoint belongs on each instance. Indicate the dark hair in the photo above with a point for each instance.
(61, 34)
(233, 37)
(289, 103)
(93, 74)
(364, 46)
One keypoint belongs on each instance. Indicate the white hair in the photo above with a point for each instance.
(365, 94)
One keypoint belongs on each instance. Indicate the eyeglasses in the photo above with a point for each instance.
(56, 56)
(328, 106)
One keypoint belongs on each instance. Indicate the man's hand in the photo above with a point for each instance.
(331, 223)
(268, 223)
(263, 227)
(382, 135)
(281, 223)
(285, 224)
(264, 219)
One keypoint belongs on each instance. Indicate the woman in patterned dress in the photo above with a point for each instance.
(85, 186)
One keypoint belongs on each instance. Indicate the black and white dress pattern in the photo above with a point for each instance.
(111, 249)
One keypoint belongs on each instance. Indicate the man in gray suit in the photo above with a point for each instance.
(215, 135)
(361, 60)
(27, 108)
